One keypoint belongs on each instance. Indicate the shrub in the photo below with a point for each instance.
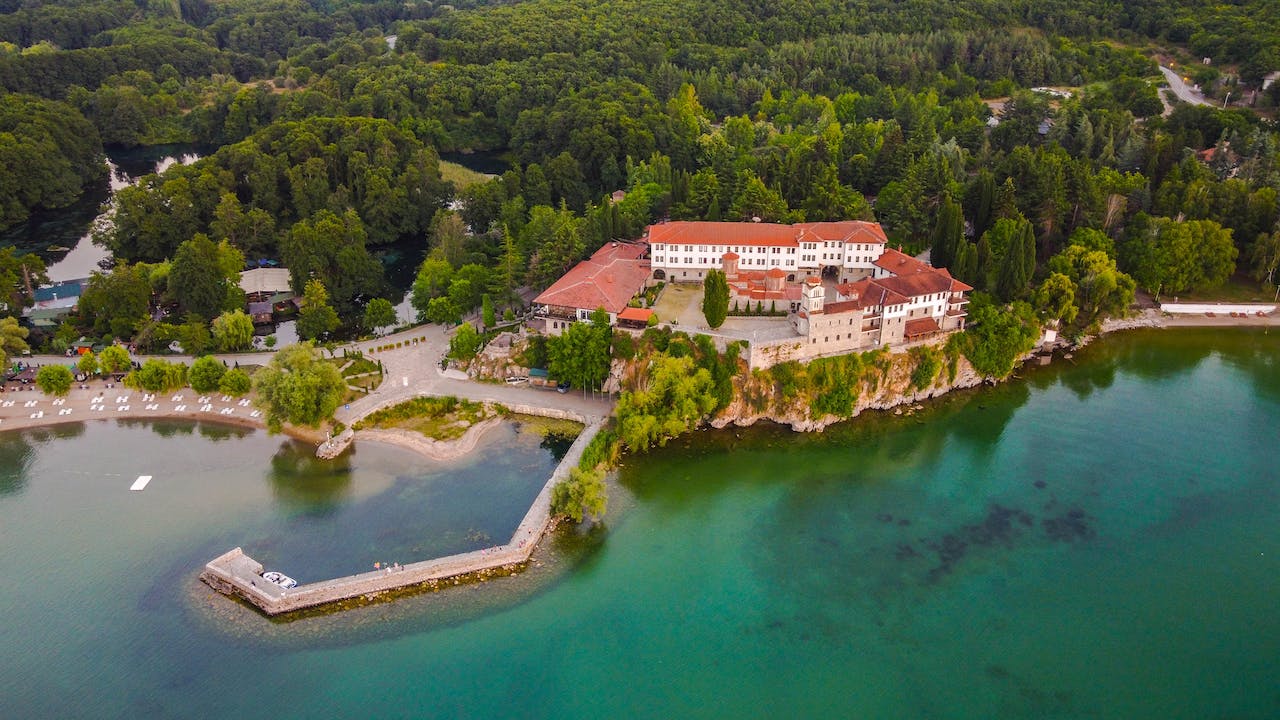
(206, 374)
(928, 361)
(235, 382)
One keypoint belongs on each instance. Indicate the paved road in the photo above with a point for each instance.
(414, 370)
(1184, 91)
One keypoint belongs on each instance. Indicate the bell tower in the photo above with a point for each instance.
(814, 295)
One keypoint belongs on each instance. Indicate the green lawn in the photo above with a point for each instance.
(439, 418)
(1237, 289)
(460, 176)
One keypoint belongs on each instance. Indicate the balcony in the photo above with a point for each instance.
(556, 312)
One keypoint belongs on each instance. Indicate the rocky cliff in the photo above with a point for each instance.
(892, 389)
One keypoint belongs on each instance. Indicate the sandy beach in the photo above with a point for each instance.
(29, 407)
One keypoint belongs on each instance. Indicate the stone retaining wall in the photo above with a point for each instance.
(234, 573)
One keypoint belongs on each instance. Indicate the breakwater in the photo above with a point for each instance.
(235, 573)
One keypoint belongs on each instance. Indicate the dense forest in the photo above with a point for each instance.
(329, 116)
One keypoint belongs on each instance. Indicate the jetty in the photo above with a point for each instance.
(235, 573)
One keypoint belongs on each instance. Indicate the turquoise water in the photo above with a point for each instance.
(1100, 539)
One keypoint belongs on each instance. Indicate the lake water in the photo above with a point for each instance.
(71, 227)
(1101, 539)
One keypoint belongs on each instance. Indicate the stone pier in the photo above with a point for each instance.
(235, 573)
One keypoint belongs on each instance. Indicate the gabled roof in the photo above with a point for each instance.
(635, 314)
(608, 279)
(900, 263)
(690, 232)
(920, 326)
(264, 280)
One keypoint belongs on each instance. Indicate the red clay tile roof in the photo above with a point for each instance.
(608, 279)
(730, 256)
(687, 232)
(635, 313)
(775, 272)
(920, 326)
(900, 263)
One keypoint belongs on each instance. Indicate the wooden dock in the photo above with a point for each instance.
(234, 573)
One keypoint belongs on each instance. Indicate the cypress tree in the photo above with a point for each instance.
(966, 264)
(982, 272)
(948, 231)
(1028, 238)
(715, 298)
(979, 201)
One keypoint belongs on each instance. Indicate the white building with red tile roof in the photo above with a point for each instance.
(609, 279)
(684, 251)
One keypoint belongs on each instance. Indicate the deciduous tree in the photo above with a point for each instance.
(297, 387)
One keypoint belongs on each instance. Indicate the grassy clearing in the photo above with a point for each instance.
(545, 426)
(438, 418)
(460, 176)
(1237, 289)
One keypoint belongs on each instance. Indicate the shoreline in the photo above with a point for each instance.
(432, 449)
(18, 416)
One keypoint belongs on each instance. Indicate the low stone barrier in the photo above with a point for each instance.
(234, 573)
(1217, 308)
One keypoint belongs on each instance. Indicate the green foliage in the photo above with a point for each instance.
(997, 336)
(465, 342)
(715, 298)
(233, 331)
(116, 302)
(1165, 255)
(624, 346)
(54, 379)
(113, 359)
(581, 495)
(206, 374)
(535, 353)
(13, 340)
(316, 318)
(156, 375)
(580, 355)
(15, 270)
(48, 154)
(1097, 287)
(87, 364)
(672, 400)
(948, 233)
(194, 335)
(443, 311)
(487, 314)
(927, 362)
(235, 382)
(298, 388)
(379, 313)
(204, 277)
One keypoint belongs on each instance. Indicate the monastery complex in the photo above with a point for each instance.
(841, 288)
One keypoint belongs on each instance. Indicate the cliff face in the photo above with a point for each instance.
(891, 389)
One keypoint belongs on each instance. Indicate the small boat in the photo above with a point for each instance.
(280, 579)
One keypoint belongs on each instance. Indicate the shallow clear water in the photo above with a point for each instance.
(1101, 539)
